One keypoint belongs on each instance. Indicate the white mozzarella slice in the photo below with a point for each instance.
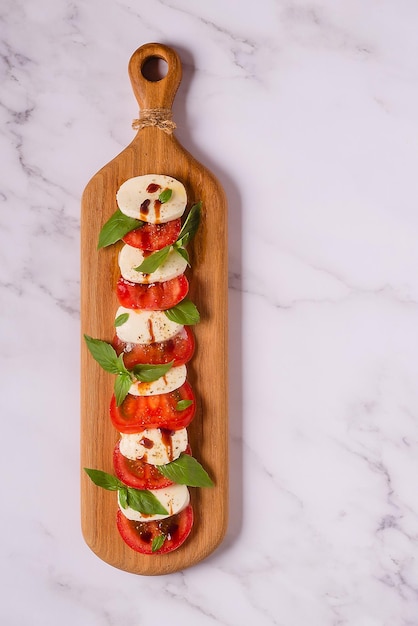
(129, 345)
(174, 499)
(130, 257)
(146, 326)
(138, 198)
(154, 445)
(172, 380)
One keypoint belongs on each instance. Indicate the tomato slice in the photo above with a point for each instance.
(140, 535)
(179, 349)
(154, 236)
(154, 296)
(139, 412)
(139, 474)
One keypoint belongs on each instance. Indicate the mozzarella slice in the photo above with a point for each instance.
(182, 334)
(138, 198)
(154, 445)
(146, 326)
(174, 379)
(130, 257)
(174, 499)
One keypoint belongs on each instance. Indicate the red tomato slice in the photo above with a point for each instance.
(154, 236)
(139, 474)
(179, 349)
(139, 535)
(152, 297)
(139, 412)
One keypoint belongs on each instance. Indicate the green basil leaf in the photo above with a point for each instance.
(117, 227)
(121, 319)
(186, 471)
(123, 383)
(153, 261)
(105, 355)
(183, 404)
(123, 497)
(158, 542)
(149, 373)
(183, 253)
(103, 479)
(182, 243)
(165, 195)
(185, 312)
(121, 365)
(145, 502)
(191, 224)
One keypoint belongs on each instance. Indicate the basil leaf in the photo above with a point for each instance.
(165, 195)
(139, 500)
(148, 373)
(183, 253)
(186, 471)
(182, 243)
(145, 502)
(123, 497)
(117, 227)
(191, 224)
(183, 404)
(123, 383)
(103, 479)
(158, 542)
(105, 355)
(121, 319)
(185, 312)
(153, 261)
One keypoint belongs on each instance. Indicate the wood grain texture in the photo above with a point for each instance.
(154, 152)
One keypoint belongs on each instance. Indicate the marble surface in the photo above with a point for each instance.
(308, 114)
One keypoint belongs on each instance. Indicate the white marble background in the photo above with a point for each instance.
(307, 111)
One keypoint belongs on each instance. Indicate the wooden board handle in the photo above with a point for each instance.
(158, 93)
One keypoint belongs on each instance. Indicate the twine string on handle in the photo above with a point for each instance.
(161, 118)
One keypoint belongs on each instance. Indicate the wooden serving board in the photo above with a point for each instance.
(153, 151)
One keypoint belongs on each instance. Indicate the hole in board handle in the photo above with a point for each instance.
(154, 69)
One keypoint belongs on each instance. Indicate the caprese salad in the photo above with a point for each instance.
(153, 402)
